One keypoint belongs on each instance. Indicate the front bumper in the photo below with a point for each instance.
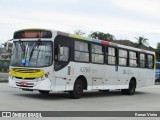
(30, 84)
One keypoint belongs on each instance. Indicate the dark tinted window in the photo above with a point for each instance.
(157, 65)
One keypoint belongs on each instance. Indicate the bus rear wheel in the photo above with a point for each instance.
(78, 90)
(131, 89)
(44, 92)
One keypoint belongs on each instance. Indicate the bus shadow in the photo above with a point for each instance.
(65, 95)
(108, 94)
(51, 96)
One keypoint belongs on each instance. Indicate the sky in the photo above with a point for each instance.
(125, 19)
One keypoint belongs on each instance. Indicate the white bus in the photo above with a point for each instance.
(46, 61)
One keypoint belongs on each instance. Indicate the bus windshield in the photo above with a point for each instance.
(32, 54)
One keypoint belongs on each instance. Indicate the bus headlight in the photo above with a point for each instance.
(43, 77)
(40, 79)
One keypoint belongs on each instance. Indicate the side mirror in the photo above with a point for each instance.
(8, 45)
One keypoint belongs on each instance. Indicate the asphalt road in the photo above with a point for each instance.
(145, 99)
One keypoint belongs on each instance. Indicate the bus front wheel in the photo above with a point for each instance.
(131, 89)
(78, 90)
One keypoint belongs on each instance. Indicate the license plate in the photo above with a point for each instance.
(23, 83)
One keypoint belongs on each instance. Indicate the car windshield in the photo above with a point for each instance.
(32, 54)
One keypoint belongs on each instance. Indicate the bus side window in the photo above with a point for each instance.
(133, 59)
(64, 54)
(81, 51)
(111, 55)
(150, 61)
(123, 56)
(97, 53)
(142, 60)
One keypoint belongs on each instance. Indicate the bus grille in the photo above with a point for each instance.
(21, 85)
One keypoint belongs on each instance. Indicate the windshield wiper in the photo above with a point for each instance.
(37, 44)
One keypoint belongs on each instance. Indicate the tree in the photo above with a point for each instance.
(79, 32)
(141, 40)
(102, 36)
(158, 52)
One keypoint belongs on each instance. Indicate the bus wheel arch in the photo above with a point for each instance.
(132, 87)
(79, 85)
(84, 80)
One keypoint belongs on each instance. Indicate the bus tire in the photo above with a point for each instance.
(44, 92)
(131, 89)
(78, 89)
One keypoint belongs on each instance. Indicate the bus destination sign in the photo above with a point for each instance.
(32, 34)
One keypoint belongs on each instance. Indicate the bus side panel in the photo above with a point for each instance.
(66, 77)
(98, 76)
(145, 77)
(111, 77)
(125, 74)
(81, 69)
(150, 77)
(60, 79)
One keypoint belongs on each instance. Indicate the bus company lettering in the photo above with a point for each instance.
(85, 69)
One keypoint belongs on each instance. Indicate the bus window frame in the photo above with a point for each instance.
(103, 52)
(59, 41)
(119, 57)
(137, 60)
(89, 48)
